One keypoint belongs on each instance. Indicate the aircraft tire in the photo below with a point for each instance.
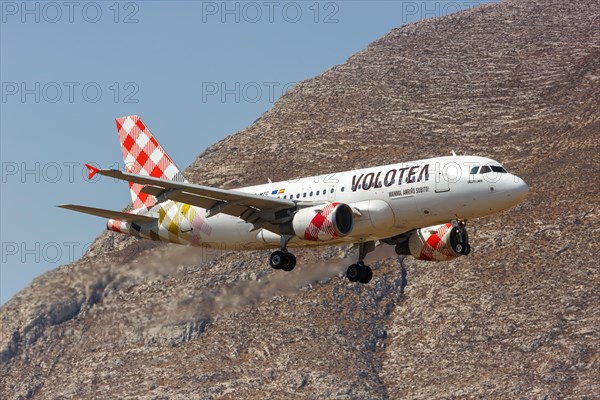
(366, 274)
(278, 259)
(467, 249)
(291, 262)
(353, 273)
(459, 248)
(462, 248)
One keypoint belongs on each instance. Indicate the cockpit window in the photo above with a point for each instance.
(474, 170)
(489, 168)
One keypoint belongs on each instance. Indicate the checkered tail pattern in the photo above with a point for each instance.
(143, 155)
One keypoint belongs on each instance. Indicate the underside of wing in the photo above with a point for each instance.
(109, 213)
(262, 211)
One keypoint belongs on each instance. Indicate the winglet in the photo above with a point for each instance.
(91, 171)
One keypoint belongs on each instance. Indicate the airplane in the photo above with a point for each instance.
(420, 207)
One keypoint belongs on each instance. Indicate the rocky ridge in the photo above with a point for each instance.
(517, 81)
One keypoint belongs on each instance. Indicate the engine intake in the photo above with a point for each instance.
(323, 222)
(436, 243)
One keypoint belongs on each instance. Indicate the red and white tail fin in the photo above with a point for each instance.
(143, 155)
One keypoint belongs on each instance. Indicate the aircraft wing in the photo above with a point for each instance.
(262, 211)
(109, 213)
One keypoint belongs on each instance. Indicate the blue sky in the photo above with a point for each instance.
(196, 71)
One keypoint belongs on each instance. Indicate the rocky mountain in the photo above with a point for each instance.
(518, 81)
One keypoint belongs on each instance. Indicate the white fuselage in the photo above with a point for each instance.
(388, 200)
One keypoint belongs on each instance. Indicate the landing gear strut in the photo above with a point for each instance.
(281, 259)
(360, 272)
(460, 239)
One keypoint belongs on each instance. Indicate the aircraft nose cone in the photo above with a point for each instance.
(519, 188)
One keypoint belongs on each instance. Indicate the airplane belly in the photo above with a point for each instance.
(228, 232)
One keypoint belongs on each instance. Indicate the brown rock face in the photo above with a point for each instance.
(520, 318)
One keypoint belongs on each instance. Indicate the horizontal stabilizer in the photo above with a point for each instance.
(91, 171)
(109, 213)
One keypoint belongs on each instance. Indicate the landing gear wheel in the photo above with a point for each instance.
(359, 273)
(366, 274)
(278, 259)
(282, 260)
(462, 248)
(467, 249)
(459, 248)
(353, 273)
(291, 262)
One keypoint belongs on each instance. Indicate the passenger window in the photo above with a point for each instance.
(317, 192)
(342, 188)
(331, 191)
(485, 169)
(298, 196)
(474, 170)
(304, 195)
(311, 193)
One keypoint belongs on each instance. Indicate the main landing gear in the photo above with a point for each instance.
(360, 272)
(281, 259)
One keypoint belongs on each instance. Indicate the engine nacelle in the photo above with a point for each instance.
(436, 243)
(323, 222)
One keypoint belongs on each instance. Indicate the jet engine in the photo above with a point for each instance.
(436, 243)
(323, 222)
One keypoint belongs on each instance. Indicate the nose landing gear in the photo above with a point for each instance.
(460, 238)
(462, 248)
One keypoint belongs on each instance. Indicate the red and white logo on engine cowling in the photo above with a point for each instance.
(434, 243)
(323, 223)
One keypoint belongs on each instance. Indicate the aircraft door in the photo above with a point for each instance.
(448, 173)
(442, 183)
